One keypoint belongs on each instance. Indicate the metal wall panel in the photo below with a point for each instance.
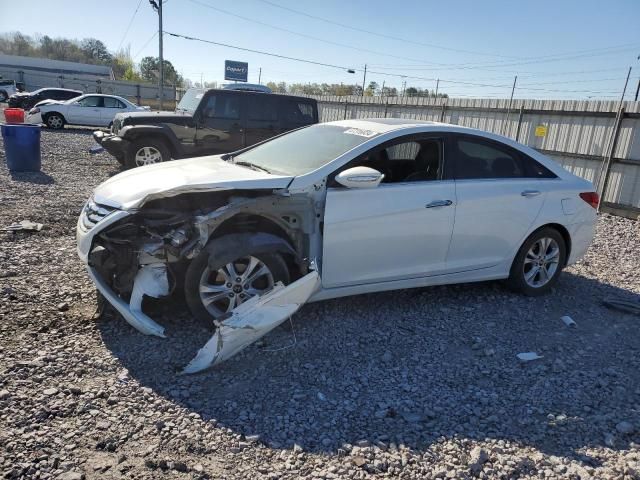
(576, 138)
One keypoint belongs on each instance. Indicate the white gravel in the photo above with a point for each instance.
(411, 384)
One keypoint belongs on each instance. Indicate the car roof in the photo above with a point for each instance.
(262, 94)
(57, 90)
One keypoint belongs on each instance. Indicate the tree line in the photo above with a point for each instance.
(91, 51)
(340, 89)
(95, 52)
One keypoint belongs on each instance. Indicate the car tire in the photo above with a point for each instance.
(146, 151)
(3, 96)
(210, 271)
(54, 121)
(539, 262)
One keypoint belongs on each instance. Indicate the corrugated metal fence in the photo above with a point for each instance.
(141, 93)
(588, 138)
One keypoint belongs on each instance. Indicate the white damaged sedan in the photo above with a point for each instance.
(330, 210)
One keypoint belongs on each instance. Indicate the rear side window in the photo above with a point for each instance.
(222, 106)
(477, 158)
(110, 102)
(262, 108)
(298, 112)
(91, 102)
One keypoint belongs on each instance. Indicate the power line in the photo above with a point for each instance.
(186, 37)
(351, 27)
(463, 66)
(145, 45)
(304, 35)
(398, 75)
(129, 26)
(382, 35)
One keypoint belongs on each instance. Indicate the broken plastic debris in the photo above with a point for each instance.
(528, 356)
(24, 226)
(568, 321)
(253, 319)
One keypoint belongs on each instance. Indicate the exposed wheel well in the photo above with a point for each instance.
(246, 222)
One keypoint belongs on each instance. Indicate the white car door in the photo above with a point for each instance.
(398, 230)
(85, 111)
(112, 106)
(499, 194)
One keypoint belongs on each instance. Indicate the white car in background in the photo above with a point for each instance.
(93, 109)
(7, 88)
(334, 209)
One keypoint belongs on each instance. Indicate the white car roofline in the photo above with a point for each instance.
(410, 128)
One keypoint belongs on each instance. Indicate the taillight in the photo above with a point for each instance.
(592, 198)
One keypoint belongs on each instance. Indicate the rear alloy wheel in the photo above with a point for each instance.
(147, 151)
(55, 121)
(538, 264)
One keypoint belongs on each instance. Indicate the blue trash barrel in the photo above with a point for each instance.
(22, 147)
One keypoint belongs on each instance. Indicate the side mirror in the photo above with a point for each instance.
(360, 177)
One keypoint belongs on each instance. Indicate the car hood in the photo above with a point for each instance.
(133, 188)
(48, 102)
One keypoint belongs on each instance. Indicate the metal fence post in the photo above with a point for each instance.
(444, 107)
(519, 122)
(608, 161)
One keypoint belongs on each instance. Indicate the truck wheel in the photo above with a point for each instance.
(147, 151)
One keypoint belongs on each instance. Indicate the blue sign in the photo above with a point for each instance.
(237, 71)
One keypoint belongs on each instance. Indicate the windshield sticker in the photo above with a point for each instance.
(361, 132)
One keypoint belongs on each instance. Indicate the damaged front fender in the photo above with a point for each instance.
(252, 320)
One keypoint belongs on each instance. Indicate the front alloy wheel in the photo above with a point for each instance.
(55, 121)
(227, 287)
(230, 270)
(539, 261)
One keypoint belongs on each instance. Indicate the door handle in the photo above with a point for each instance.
(530, 193)
(439, 203)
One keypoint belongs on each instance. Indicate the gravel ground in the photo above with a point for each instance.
(414, 384)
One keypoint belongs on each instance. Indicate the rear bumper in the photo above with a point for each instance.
(114, 144)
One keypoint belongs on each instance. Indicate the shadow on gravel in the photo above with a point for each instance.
(39, 178)
(411, 366)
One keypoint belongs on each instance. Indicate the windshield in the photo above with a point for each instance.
(304, 150)
(190, 100)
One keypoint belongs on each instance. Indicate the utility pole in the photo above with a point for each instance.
(437, 85)
(157, 6)
(637, 90)
(382, 91)
(515, 79)
(260, 75)
(364, 78)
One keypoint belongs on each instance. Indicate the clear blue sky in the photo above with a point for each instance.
(507, 37)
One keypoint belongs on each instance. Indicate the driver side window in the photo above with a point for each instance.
(404, 160)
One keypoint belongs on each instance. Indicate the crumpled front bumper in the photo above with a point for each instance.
(246, 324)
(114, 144)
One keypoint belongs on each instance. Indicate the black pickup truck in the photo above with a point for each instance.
(206, 122)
